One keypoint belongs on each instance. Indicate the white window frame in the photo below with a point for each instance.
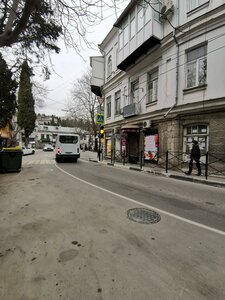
(140, 19)
(153, 79)
(157, 8)
(108, 107)
(193, 4)
(197, 65)
(121, 40)
(132, 27)
(134, 91)
(109, 66)
(117, 102)
(198, 132)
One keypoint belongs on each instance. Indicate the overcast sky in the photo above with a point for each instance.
(68, 66)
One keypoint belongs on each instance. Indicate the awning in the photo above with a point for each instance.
(129, 127)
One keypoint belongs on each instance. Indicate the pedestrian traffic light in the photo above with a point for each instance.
(102, 131)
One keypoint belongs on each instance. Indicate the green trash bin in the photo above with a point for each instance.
(11, 159)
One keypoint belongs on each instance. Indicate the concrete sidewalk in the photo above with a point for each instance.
(212, 180)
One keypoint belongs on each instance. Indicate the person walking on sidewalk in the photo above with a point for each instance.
(195, 155)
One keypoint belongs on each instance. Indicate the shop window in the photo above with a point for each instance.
(196, 67)
(117, 102)
(198, 133)
(108, 106)
(152, 87)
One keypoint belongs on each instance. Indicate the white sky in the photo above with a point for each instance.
(69, 66)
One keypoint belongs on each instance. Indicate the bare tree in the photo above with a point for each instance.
(70, 18)
(83, 104)
(39, 93)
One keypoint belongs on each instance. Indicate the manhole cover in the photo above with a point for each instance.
(143, 215)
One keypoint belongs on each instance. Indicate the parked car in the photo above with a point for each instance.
(27, 150)
(48, 147)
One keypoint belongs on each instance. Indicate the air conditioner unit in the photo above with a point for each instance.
(147, 123)
(167, 10)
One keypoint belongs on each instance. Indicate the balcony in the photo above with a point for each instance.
(97, 78)
(145, 36)
(131, 110)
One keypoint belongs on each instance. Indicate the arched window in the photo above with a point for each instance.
(109, 66)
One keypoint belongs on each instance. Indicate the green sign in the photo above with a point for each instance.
(100, 119)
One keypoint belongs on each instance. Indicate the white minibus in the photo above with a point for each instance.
(67, 147)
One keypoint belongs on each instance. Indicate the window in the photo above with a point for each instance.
(196, 67)
(152, 87)
(132, 27)
(108, 107)
(147, 13)
(134, 92)
(140, 19)
(109, 66)
(121, 40)
(192, 4)
(68, 139)
(198, 133)
(117, 103)
(125, 32)
(157, 5)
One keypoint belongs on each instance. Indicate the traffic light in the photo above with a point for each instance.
(102, 131)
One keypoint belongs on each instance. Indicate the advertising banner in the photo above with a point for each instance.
(151, 147)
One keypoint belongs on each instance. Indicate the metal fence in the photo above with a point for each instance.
(212, 164)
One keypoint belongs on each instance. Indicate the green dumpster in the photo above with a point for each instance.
(11, 159)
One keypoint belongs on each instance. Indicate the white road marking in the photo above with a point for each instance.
(39, 162)
(146, 205)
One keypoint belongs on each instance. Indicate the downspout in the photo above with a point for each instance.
(177, 65)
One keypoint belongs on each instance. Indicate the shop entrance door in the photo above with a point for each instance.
(133, 148)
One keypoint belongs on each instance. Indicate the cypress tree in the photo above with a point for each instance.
(26, 115)
(8, 88)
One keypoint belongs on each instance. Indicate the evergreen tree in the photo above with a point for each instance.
(8, 88)
(26, 114)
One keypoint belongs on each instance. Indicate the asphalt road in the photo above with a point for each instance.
(65, 234)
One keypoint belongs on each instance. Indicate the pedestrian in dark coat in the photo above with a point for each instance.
(195, 155)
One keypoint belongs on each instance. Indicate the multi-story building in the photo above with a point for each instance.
(162, 78)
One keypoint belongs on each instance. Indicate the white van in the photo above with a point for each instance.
(67, 147)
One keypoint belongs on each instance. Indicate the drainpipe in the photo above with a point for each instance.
(177, 63)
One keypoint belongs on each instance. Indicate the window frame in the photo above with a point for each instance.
(117, 102)
(134, 91)
(108, 107)
(197, 134)
(192, 6)
(152, 86)
(196, 65)
(109, 66)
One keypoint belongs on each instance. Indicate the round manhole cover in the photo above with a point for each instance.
(143, 215)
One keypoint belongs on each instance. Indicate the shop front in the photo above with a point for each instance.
(130, 141)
